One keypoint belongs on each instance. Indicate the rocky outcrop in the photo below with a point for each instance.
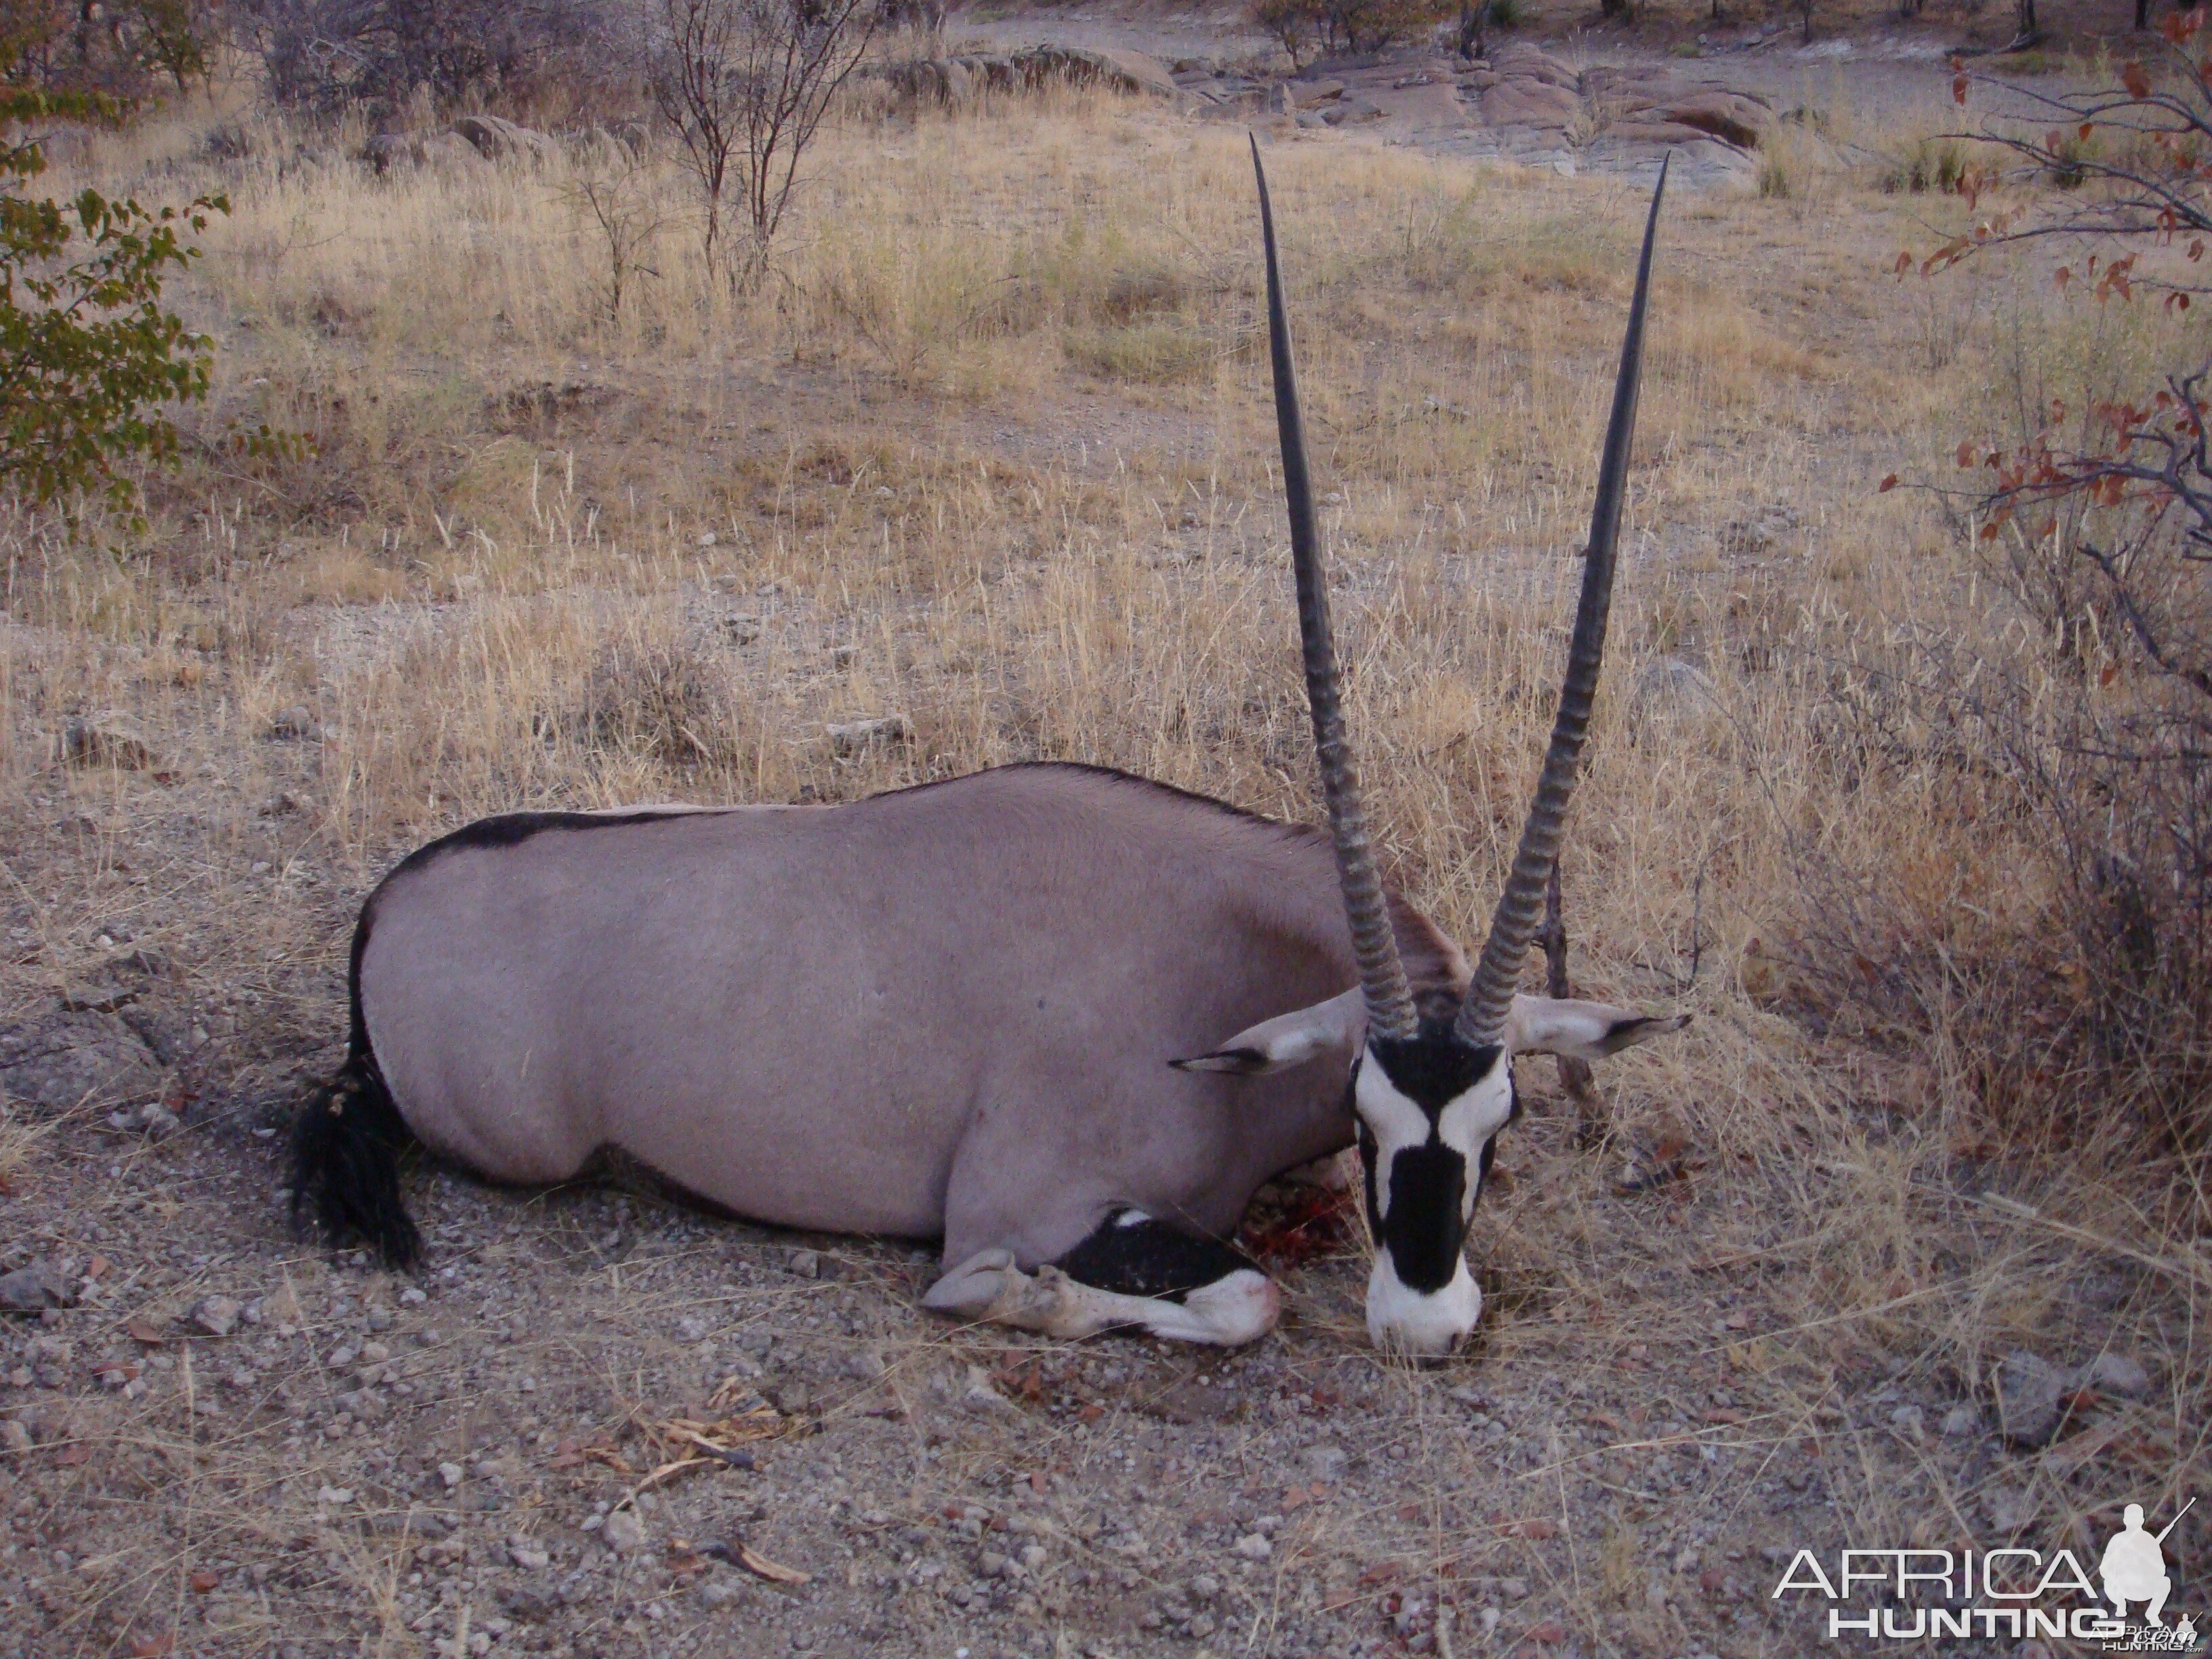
(1520, 99)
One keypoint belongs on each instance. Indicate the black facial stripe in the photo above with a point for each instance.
(1423, 1231)
(1150, 1258)
(1432, 1068)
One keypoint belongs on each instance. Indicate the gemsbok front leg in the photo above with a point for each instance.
(1132, 1272)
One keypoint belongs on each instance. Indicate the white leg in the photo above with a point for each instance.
(1239, 1308)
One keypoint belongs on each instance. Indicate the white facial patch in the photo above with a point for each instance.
(1426, 1324)
(1398, 1124)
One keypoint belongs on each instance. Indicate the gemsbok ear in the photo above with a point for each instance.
(1333, 1028)
(1581, 1030)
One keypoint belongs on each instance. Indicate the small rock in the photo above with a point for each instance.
(981, 1396)
(716, 1592)
(34, 1289)
(451, 1474)
(856, 737)
(1326, 1462)
(807, 1264)
(412, 1297)
(106, 998)
(2006, 1510)
(1668, 687)
(14, 1436)
(335, 1495)
(709, 538)
(527, 1556)
(994, 1565)
(159, 1122)
(216, 1315)
(1032, 1556)
(788, 1395)
(863, 1363)
(2115, 1373)
(741, 630)
(623, 1532)
(1253, 1547)
(1513, 1590)
(291, 725)
(1962, 1419)
(2030, 1396)
(63, 1060)
(1909, 1421)
(108, 739)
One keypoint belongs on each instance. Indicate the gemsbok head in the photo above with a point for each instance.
(1431, 1089)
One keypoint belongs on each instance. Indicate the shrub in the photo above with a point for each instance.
(115, 51)
(1346, 25)
(328, 54)
(1931, 164)
(87, 356)
(2083, 713)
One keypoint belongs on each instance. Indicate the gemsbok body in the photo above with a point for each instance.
(1065, 1019)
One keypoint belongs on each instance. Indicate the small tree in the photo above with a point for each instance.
(616, 193)
(87, 356)
(745, 85)
(1340, 26)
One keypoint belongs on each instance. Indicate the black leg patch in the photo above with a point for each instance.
(1132, 1254)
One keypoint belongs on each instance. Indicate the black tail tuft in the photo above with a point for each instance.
(345, 1161)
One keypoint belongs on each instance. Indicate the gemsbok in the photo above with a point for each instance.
(1065, 1019)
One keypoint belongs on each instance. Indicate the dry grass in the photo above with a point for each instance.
(991, 453)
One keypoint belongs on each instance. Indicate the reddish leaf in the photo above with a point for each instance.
(1538, 1528)
(1090, 1413)
(159, 1646)
(1958, 88)
(1547, 1633)
(1887, 484)
(1966, 452)
(2061, 276)
(145, 1330)
(203, 1579)
(2106, 675)
(2133, 78)
(1904, 264)
(97, 1267)
(74, 1455)
(2084, 131)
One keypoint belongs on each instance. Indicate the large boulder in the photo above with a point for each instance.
(496, 138)
(1736, 117)
(1521, 62)
(1129, 72)
(1530, 103)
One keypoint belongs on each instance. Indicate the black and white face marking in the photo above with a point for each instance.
(1428, 1107)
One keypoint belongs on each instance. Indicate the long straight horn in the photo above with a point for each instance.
(1382, 976)
(1489, 999)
